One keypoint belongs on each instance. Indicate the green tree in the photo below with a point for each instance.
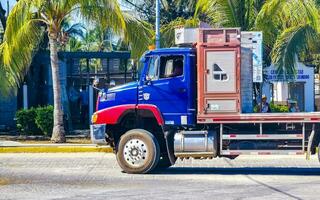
(290, 27)
(216, 13)
(74, 44)
(70, 32)
(290, 30)
(29, 20)
(169, 10)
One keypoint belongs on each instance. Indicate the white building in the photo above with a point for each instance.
(300, 87)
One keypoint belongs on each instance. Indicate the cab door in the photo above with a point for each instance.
(165, 86)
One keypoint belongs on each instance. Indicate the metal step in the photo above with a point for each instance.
(263, 137)
(262, 152)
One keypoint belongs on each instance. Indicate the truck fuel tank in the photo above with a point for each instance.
(199, 144)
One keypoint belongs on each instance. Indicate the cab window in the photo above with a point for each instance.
(153, 68)
(171, 66)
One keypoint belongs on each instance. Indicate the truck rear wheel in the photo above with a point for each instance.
(138, 152)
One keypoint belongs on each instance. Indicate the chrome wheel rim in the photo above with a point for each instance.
(135, 152)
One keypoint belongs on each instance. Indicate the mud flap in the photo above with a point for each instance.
(98, 134)
(169, 137)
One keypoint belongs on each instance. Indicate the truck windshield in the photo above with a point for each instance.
(140, 68)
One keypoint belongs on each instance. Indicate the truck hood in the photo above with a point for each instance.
(119, 95)
(127, 86)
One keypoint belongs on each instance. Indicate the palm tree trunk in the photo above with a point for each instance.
(58, 133)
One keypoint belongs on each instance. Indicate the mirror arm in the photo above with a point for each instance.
(97, 88)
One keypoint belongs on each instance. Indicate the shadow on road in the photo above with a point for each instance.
(285, 171)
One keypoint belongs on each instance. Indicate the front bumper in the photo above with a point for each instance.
(98, 133)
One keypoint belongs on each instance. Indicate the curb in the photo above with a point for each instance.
(56, 149)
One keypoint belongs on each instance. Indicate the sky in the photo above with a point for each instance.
(4, 3)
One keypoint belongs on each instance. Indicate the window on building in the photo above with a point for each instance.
(171, 66)
(218, 73)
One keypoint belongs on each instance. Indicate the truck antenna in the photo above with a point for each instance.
(157, 24)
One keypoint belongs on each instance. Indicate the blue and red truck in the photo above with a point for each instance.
(187, 103)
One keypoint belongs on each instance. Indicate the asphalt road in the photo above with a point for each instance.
(96, 176)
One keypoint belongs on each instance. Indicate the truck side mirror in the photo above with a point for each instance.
(96, 82)
(148, 80)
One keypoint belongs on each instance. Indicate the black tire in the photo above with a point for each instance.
(138, 152)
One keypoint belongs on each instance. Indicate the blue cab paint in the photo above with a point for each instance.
(175, 96)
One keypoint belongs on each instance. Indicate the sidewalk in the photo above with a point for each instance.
(17, 147)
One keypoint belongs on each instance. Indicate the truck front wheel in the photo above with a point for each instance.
(138, 152)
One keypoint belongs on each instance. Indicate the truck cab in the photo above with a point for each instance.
(166, 85)
(168, 82)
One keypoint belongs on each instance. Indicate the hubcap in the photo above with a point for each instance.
(135, 152)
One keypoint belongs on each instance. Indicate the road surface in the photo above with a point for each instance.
(97, 176)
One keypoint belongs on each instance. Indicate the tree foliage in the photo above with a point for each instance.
(290, 29)
(30, 20)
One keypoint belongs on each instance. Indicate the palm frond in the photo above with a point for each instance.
(211, 12)
(168, 30)
(74, 45)
(229, 9)
(7, 80)
(21, 38)
(76, 29)
(107, 13)
(268, 20)
(290, 43)
(138, 35)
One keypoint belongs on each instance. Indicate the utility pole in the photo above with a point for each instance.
(157, 24)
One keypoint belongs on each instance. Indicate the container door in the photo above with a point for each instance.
(221, 72)
(166, 87)
(221, 86)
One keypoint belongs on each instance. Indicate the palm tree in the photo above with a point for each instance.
(74, 45)
(29, 20)
(290, 29)
(70, 31)
(96, 39)
(208, 11)
(216, 13)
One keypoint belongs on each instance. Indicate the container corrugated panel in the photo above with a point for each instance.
(246, 80)
(220, 36)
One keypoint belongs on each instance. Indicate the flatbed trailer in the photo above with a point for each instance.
(301, 117)
(188, 103)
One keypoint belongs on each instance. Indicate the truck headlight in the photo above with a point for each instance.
(107, 96)
(103, 96)
(94, 118)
